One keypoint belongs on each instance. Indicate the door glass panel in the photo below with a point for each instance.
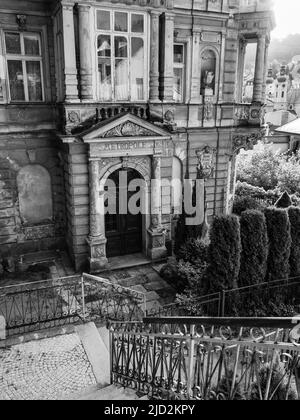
(178, 54)
(121, 80)
(137, 69)
(16, 80)
(178, 84)
(137, 23)
(32, 45)
(121, 22)
(13, 43)
(34, 80)
(103, 20)
(121, 47)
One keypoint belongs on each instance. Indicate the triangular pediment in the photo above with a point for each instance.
(125, 126)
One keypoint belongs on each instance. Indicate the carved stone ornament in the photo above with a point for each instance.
(21, 21)
(129, 129)
(205, 166)
(246, 140)
(39, 232)
(73, 117)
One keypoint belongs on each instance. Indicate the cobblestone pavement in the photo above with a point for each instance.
(45, 370)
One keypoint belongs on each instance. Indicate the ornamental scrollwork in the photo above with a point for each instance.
(246, 140)
(128, 129)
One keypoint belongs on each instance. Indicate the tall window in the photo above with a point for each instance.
(179, 67)
(24, 66)
(122, 61)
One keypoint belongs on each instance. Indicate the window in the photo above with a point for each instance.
(208, 73)
(24, 66)
(179, 67)
(122, 60)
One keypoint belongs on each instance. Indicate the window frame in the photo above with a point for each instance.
(183, 67)
(129, 35)
(23, 58)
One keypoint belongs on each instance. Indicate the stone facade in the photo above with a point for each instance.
(185, 63)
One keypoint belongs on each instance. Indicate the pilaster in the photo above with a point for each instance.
(85, 45)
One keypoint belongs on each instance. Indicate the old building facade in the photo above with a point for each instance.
(89, 88)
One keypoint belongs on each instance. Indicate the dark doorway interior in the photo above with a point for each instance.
(123, 231)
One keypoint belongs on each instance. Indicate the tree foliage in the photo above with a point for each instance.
(294, 217)
(224, 254)
(254, 256)
(279, 233)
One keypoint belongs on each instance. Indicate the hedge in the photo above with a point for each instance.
(279, 233)
(294, 216)
(224, 254)
(254, 256)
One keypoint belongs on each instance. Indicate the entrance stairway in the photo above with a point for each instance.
(109, 393)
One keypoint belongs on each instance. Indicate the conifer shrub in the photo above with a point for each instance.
(224, 254)
(279, 234)
(254, 256)
(294, 217)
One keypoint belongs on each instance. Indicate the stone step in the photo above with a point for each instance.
(111, 393)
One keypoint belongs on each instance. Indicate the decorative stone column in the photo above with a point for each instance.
(85, 45)
(157, 246)
(241, 67)
(259, 68)
(167, 71)
(154, 57)
(97, 240)
(264, 88)
(196, 76)
(70, 70)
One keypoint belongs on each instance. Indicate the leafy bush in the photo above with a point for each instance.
(280, 388)
(259, 167)
(224, 254)
(294, 216)
(193, 251)
(249, 197)
(266, 168)
(284, 201)
(254, 254)
(279, 233)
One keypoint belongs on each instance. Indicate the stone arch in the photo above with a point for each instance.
(215, 52)
(35, 194)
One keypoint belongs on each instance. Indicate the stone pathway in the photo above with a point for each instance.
(45, 370)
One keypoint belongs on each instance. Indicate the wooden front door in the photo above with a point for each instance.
(123, 231)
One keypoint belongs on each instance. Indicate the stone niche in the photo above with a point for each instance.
(35, 195)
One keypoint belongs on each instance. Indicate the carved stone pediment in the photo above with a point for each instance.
(127, 126)
(129, 129)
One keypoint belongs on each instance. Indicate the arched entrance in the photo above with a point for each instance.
(124, 232)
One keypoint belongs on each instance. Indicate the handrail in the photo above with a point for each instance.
(284, 323)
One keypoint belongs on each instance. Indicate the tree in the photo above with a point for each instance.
(279, 233)
(294, 216)
(254, 239)
(259, 167)
(224, 254)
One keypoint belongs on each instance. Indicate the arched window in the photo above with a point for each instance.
(35, 195)
(208, 73)
(177, 186)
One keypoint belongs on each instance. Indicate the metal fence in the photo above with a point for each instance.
(256, 300)
(207, 358)
(46, 304)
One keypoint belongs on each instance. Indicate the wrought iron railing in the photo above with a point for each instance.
(46, 304)
(208, 358)
(256, 300)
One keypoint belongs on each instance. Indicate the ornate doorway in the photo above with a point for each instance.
(124, 232)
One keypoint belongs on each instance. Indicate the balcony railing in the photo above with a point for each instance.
(207, 358)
